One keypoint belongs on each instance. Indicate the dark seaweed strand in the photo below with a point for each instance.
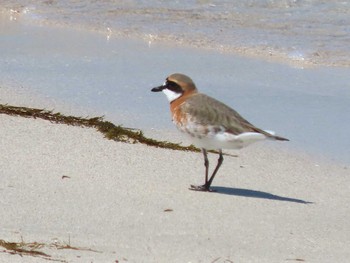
(110, 131)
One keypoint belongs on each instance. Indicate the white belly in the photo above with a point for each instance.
(214, 139)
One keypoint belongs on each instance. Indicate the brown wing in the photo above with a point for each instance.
(210, 111)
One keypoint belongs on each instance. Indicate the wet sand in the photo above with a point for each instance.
(113, 77)
(131, 203)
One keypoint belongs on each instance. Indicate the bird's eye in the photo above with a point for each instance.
(170, 85)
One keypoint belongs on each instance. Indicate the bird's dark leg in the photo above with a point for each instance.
(206, 164)
(206, 186)
(220, 160)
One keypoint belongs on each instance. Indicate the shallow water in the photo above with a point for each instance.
(114, 77)
(302, 31)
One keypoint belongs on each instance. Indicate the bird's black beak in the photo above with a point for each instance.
(157, 89)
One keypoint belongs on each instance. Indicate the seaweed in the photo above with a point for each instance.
(108, 129)
(33, 249)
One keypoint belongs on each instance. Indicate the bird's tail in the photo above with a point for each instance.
(274, 136)
(279, 138)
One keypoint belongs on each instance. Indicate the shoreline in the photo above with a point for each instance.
(119, 133)
(28, 99)
(267, 54)
(84, 73)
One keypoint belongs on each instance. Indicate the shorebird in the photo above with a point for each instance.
(211, 124)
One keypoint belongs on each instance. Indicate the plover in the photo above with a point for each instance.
(211, 124)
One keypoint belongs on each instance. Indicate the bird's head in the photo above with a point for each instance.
(176, 85)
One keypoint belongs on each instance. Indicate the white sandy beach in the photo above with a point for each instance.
(63, 183)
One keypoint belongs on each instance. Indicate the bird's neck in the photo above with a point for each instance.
(177, 102)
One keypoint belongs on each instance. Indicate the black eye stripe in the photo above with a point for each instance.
(170, 85)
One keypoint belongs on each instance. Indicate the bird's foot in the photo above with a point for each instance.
(201, 188)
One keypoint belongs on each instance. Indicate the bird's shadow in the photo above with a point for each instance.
(256, 194)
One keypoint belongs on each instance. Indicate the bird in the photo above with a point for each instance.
(211, 124)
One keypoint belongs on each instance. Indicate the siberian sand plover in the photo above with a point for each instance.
(211, 124)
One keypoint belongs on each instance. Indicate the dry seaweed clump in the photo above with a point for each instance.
(110, 131)
(33, 249)
(22, 248)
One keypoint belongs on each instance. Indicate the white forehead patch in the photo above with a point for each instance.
(171, 95)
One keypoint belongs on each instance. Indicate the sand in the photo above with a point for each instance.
(131, 203)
